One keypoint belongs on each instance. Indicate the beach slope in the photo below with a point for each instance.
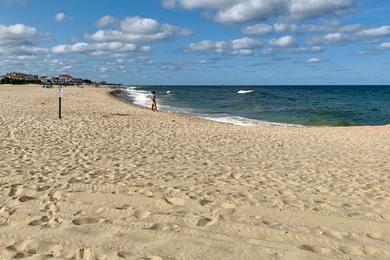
(115, 181)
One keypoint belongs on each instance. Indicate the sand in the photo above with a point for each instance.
(115, 181)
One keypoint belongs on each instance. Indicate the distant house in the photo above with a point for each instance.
(58, 81)
(87, 82)
(78, 81)
(67, 79)
(22, 76)
(63, 79)
(46, 79)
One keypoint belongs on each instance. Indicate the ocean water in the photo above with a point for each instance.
(273, 105)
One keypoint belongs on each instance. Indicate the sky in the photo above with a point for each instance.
(191, 42)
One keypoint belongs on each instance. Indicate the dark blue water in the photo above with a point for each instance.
(295, 105)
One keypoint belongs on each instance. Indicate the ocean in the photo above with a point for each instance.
(273, 105)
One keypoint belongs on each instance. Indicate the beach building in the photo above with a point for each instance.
(78, 81)
(88, 82)
(21, 76)
(46, 79)
(66, 79)
(57, 81)
(62, 79)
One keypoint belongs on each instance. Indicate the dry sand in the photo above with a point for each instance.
(114, 181)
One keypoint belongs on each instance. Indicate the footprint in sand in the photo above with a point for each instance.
(39, 222)
(204, 222)
(141, 214)
(236, 176)
(14, 190)
(22, 255)
(123, 207)
(86, 221)
(176, 201)
(123, 254)
(165, 227)
(43, 188)
(352, 250)
(376, 236)
(205, 202)
(308, 248)
(26, 198)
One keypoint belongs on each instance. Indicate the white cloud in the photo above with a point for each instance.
(375, 32)
(67, 67)
(257, 29)
(146, 48)
(351, 28)
(16, 40)
(236, 11)
(16, 31)
(243, 52)
(283, 42)
(285, 27)
(194, 4)
(314, 60)
(60, 17)
(75, 48)
(98, 49)
(169, 4)
(331, 26)
(362, 52)
(384, 46)
(307, 49)
(330, 38)
(206, 46)
(242, 46)
(250, 10)
(139, 25)
(105, 20)
(244, 43)
(305, 9)
(138, 30)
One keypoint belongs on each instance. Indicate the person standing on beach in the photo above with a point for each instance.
(154, 101)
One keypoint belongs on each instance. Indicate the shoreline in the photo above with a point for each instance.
(113, 94)
(111, 91)
(265, 124)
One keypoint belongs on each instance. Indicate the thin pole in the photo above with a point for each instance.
(59, 109)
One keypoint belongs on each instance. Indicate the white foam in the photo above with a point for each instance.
(142, 98)
(243, 91)
(168, 92)
(139, 97)
(243, 121)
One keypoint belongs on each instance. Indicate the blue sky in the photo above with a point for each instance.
(199, 41)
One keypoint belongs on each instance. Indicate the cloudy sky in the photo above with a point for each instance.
(199, 41)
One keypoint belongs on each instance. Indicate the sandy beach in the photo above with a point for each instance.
(115, 181)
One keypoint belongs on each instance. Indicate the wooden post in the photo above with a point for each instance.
(59, 108)
(60, 94)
